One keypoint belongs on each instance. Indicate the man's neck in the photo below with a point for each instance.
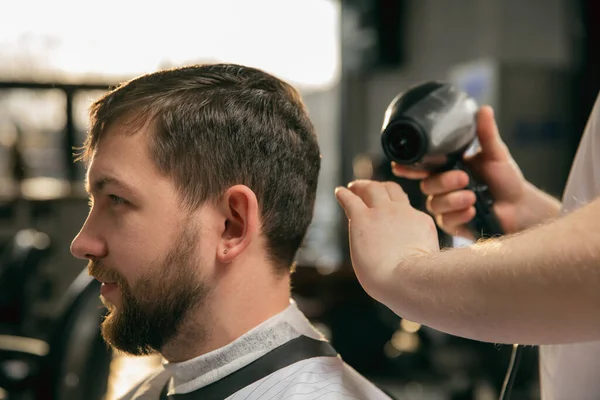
(231, 310)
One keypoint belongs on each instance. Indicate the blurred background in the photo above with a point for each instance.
(532, 60)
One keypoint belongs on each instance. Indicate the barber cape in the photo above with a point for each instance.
(572, 371)
(323, 378)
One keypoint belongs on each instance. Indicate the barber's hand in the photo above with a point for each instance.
(452, 206)
(384, 229)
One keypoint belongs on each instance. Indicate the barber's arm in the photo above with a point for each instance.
(535, 287)
(540, 285)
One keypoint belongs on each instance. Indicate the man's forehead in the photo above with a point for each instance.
(97, 179)
(117, 144)
(116, 161)
(128, 169)
(121, 155)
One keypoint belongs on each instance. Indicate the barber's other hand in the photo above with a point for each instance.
(452, 205)
(384, 229)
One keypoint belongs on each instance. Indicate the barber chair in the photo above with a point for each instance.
(78, 363)
(18, 263)
(19, 355)
(71, 360)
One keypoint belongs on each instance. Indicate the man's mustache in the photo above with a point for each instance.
(98, 270)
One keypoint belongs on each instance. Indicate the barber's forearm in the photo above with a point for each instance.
(539, 286)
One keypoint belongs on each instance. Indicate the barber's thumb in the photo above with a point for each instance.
(349, 201)
(489, 137)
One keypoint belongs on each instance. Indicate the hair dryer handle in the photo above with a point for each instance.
(485, 223)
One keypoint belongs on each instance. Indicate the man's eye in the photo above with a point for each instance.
(116, 200)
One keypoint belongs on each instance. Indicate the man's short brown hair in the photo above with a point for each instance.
(215, 126)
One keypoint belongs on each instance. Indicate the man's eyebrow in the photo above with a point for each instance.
(98, 184)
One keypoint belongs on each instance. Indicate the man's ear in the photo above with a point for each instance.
(240, 209)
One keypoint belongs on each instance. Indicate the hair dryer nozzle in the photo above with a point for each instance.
(404, 141)
(429, 126)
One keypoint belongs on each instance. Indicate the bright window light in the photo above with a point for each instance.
(296, 40)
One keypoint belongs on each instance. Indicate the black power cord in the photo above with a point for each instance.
(511, 373)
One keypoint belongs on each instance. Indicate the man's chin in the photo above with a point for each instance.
(114, 332)
(112, 301)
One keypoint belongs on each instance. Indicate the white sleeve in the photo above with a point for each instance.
(572, 371)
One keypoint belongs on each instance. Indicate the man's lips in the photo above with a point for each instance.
(102, 280)
(108, 287)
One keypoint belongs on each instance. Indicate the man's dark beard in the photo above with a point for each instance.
(153, 310)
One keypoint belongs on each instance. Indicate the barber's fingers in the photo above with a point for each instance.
(404, 171)
(371, 192)
(395, 191)
(445, 182)
(364, 194)
(450, 202)
(453, 223)
(350, 202)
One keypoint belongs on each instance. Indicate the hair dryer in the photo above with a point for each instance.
(430, 127)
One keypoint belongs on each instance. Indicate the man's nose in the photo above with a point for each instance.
(88, 245)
